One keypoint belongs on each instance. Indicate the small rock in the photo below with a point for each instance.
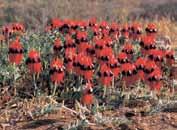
(129, 114)
(124, 127)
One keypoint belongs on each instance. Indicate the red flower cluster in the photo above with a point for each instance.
(128, 49)
(136, 31)
(15, 52)
(87, 97)
(84, 66)
(140, 66)
(114, 66)
(106, 75)
(147, 43)
(57, 47)
(151, 30)
(129, 73)
(34, 62)
(9, 29)
(125, 31)
(57, 71)
(91, 48)
(170, 59)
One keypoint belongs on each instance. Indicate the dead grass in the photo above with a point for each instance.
(168, 28)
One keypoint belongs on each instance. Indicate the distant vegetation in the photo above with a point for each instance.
(37, 12)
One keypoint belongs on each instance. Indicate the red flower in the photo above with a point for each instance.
(129, 72)
(100, 44)
(154, 79)
(7, 31)
(18, 28)
(114, 27)
(57, 71)
(87, 49)
(108, 41)
(140, 65)
(72, 27)
(69, 58)
(87, 97)
(72, 23)
(150, 66)
(157, 56)
(128, 49)
(69, 40)
(92, 22)
(15, 52)
(122, 58)
(114, 31)
(57, 47)
(34, 62)
(105, 54)
(125, 31)
(81, 37)
(56, 23)
(96, 30)
(104, 32)
(83, 24)
(113, 64)
(147, 43)
(77, 64)
(83, 46)
(136, 31)
(72, 32)
(151, 30)
(90, 51)
(104, 25)
(86, 67)
(170, 59)
(106, 75)
(70, 43)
